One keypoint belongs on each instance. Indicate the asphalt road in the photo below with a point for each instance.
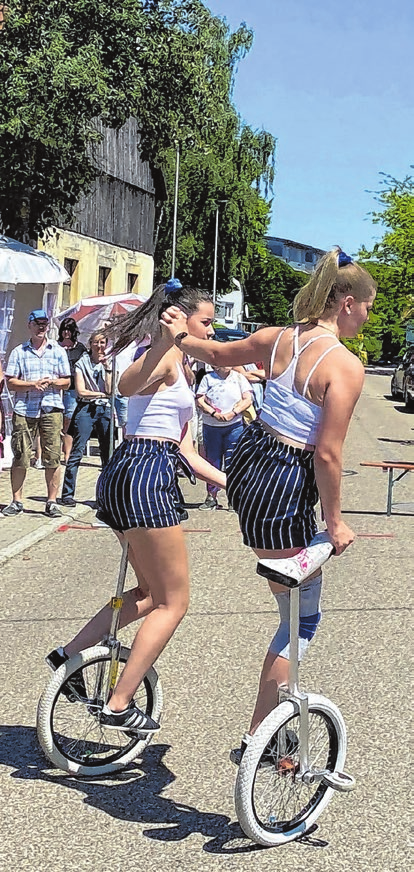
(174, 810)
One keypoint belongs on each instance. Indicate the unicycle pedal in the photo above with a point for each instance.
(340, 781)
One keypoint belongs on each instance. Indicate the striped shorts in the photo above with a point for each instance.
(272, 488)
(138, 486)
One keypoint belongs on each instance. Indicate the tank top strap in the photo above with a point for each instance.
(274, 349)
(315, 365)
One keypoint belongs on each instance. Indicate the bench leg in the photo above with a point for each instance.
(389, 496)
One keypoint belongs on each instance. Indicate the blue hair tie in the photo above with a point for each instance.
(344, 259)
(172, 286)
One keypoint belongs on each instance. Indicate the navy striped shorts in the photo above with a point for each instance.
(138, 487)
(272, 488)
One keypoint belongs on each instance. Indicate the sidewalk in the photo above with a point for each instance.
(17, 534)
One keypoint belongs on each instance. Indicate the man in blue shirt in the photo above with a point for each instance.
(37, 371)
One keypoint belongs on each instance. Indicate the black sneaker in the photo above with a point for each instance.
(74, 689)
(130, 720)
(67, 501)
(269, 755)
(14, 508)
(52, 510)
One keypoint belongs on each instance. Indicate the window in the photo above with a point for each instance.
(308, 257)
(70, 267)
(104, 272)
(132, 280)
(228, 310)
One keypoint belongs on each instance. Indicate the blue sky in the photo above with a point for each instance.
(333, 81)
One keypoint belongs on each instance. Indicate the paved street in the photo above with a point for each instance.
(174, 810)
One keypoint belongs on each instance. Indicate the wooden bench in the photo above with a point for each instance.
(390, 465)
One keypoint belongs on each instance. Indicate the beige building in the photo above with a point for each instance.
(109, 247)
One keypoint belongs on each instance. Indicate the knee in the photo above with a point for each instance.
(309, 618)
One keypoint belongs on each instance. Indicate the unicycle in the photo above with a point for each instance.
(293, 764)
(68, 726)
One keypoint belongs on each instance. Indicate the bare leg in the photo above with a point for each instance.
(17, 477)
(137, 603)
(67, 441)
(169, 584)
(52, 477)
(275, 672)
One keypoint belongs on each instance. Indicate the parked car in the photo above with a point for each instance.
(409, 386)
(399, 377)
(229, 334)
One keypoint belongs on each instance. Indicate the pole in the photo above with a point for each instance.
(112, 407)
(215, 257)
(174, 241)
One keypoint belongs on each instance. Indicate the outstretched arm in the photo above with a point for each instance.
(341, 396)
(202, 469)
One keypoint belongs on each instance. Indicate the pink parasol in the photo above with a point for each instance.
(93, 313)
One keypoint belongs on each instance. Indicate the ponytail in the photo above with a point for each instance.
(336, 275)
(144, 320)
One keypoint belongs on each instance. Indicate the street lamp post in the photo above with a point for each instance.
(216, 250)
(174, 239)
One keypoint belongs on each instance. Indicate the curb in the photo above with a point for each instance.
(41, 533)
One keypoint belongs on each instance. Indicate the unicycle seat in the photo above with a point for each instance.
(292, 571)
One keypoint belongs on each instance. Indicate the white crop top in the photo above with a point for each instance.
(284, 408)
(164, 414)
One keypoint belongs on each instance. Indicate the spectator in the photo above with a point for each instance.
(255, 375)
(222, 396)
(38, 371)
(68, 339)
(93, 411)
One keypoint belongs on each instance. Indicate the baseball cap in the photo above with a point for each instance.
(38, 315)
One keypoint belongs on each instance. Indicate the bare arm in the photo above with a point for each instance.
(202, 469)
(154, 366)
(81, 390)
(341, 396)
(255, 347)
(254, 376)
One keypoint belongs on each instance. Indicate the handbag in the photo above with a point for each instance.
(249, 415)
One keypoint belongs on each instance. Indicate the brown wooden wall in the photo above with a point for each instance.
(121, 207)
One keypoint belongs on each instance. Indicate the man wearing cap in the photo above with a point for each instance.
(37, 371)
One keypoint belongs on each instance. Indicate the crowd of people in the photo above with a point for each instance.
(275, 468)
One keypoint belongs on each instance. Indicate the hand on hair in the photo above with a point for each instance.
(173, 321)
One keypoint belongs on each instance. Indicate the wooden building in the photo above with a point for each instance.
(109, 247)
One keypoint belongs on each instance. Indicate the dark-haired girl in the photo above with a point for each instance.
(137, 493)
(292, 455)
(68, 339)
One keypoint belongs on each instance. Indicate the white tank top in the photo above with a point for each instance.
(164, 414)
(284, 408)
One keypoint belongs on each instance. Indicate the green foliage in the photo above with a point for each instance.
(169, 63)
(391, 263)
(271, 288)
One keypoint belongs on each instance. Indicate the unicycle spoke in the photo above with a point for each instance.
(70, 732)
(274, 804)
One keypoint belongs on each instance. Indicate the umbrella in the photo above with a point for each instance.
(21, 264)
(93, 313)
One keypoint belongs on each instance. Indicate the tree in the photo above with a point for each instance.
(391, 263)
(271, 288)
(169, 63)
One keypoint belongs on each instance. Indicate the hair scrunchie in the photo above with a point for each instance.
(344, 259)
(172, 286)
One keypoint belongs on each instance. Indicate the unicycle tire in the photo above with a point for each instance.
(70, 733)
(272, 807)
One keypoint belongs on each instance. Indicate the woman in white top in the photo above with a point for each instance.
(222, 395)
(292, 455)
(137, 494)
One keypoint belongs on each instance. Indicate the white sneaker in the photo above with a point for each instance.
(291, 571)
(38, 464)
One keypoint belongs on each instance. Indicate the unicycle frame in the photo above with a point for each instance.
(293, 692)
(111, 639)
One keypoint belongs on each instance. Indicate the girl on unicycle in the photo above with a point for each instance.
(291, 456)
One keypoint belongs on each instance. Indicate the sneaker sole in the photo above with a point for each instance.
(133, 730)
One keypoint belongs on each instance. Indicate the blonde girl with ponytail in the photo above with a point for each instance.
(291, 456)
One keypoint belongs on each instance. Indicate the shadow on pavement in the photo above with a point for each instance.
(132, 795)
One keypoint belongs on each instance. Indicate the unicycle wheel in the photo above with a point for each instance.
(69, 731)
(273, 805)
